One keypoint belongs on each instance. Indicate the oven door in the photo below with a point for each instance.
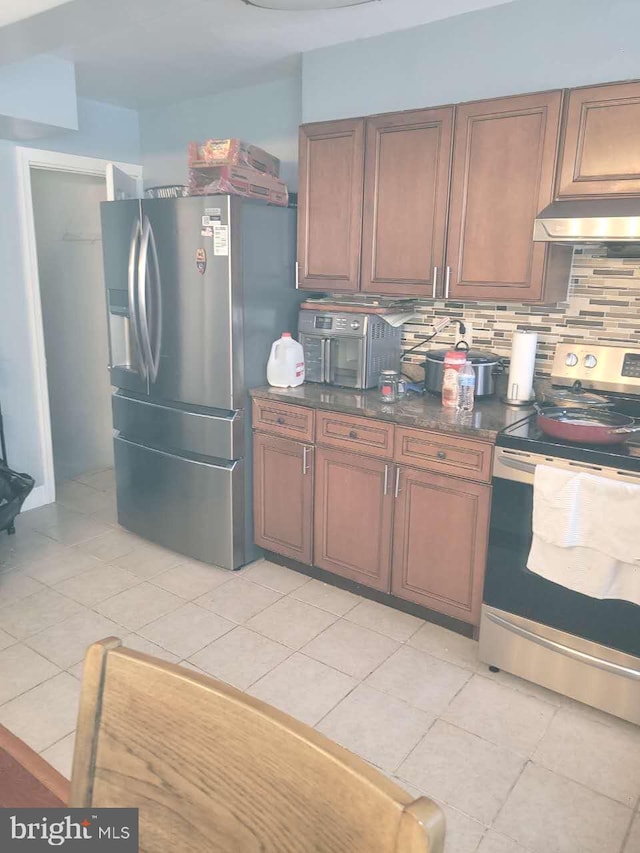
(511, 587)
(345, 362)
(585, 648)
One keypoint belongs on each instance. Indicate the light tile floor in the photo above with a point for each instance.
(518, 769)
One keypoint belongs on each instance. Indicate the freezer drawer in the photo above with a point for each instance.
(191, 506)
(183, 429)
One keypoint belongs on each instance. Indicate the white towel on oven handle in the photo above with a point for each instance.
(575, 509)
(585, 570)
(584, 533)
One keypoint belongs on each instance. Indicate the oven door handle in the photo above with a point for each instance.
(327, 359)
(584, 657)
(517, 464)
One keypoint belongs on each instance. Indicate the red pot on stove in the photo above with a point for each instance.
(586, 426)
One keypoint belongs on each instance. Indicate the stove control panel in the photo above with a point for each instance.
(631, 365)
(596, 367)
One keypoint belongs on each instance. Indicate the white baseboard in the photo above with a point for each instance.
(38, 497)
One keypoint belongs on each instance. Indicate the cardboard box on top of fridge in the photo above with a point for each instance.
(232, 152)
(239, 180)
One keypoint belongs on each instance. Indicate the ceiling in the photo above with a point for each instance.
(138, 53)
(17, 10)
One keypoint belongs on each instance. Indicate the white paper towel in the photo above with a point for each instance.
(523, 359)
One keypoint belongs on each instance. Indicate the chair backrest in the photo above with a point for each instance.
(213, 769)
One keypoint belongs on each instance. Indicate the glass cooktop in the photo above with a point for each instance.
(526, 435)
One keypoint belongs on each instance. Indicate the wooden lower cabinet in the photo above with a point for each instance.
(283, 496)
(419, 534)
(439, 542)
(353, 516)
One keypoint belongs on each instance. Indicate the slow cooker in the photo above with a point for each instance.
(487, 366)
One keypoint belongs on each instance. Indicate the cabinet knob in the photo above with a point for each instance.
(353, 434)
(442, 454)
(279, 420)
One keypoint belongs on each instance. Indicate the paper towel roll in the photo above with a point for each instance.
(523, 359)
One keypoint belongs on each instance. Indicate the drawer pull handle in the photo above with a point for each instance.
(279, 420)
(442, 454)
(353, 434)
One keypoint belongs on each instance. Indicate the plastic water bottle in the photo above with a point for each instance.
(285, 368)
(466, 387)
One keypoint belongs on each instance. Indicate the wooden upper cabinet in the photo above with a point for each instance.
(503, 174)
(330, 205)
(406, 189)
(601, 148)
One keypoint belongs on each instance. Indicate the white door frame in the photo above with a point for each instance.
(26, 159)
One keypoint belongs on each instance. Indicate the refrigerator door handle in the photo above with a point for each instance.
(133, 298)
(143, 266)
(157, 288)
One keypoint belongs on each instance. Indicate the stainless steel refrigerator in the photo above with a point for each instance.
(197, 290)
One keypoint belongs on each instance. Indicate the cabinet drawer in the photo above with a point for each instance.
(375, 438)
(283, 419)
(446, 453)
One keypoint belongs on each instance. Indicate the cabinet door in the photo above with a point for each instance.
(600, 153)
(440, 542)
(283, 496)
(406, 189)
(503, 170)
(330, 205)
(353, 513)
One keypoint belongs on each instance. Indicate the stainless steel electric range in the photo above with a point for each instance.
(582, 647)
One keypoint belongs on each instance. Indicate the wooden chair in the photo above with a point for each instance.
(27, 781)
(213, 769)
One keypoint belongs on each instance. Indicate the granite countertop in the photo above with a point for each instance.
(488, 417)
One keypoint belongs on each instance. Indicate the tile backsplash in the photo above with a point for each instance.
(603, 305)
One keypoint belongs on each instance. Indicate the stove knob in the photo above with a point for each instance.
(590, 361)
(571, 360)
(355, 324)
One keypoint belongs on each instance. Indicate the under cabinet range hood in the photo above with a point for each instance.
(606, 220)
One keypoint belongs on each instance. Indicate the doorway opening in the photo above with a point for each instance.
(62, 250)
(66, 212)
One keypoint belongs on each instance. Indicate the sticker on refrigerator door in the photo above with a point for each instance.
(214, 214)
(220, 239)
(201, 261)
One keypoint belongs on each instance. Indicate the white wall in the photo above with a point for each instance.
(517, 47)
(17, 396)
(105, 132)
(524, 46)
(69, 242)
(267, 115)
(38, 97)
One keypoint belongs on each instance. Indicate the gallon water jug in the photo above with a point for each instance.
(285, 368)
